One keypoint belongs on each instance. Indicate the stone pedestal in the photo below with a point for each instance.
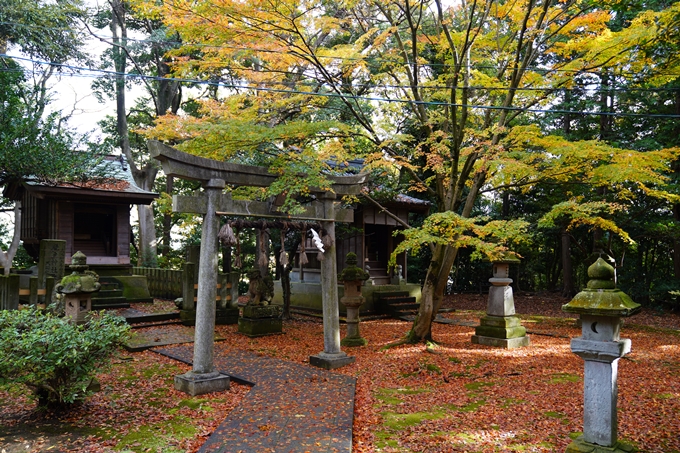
(501, 331)
(261, 320)
(226, 316)
(353, 337)
(200, 383)
(353, 278)
(501, 328)
(601, 307)
(330, 361)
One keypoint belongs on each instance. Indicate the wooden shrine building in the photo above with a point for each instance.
(93, 218)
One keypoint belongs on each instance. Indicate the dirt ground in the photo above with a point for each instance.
(24, 429)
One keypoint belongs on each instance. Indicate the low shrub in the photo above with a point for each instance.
(53, 357)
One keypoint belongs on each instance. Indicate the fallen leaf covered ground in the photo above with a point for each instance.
(455, 397)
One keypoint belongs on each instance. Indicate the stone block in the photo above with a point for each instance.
(501, 321)
(501, 302)
(505, 343)
(226, 316)
(501, 332)
(201, 383)
(330, 361)
(135, 288)
(262, 311)
(188, 317)
(354, 341)
(259, 327)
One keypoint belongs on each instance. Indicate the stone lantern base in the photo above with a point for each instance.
(501, 331)
(581, 446)
(77, 306)
(354, 341)
(261, 320)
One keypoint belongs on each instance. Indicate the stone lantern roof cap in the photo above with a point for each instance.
(81, 280)
(352, 272)
(504, 258)
(601, 298)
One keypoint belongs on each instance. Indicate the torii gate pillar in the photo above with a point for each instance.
(203, 378)
(332, 356)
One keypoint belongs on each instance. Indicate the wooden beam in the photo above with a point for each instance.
(187, 166)
(227, 206)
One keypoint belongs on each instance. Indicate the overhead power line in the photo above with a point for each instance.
(103, 72)
(328, 57)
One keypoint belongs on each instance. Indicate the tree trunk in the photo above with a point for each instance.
(676, 207)
(567, 271)
(285, 289)
(167, 220)
(147, 237)
(432, 293)
(7, 257)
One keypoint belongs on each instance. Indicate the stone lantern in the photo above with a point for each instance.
(77, 289)
(353, 278)
(501, 327)
(601, 307)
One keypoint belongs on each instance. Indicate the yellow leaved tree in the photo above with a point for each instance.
(440, 97)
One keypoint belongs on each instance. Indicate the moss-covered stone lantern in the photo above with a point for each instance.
(501, 327)
(352, 277)
(77, 289)
(601, 307)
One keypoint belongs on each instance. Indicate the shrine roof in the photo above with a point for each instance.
(117, 185)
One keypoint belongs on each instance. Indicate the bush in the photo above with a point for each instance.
(53, 357)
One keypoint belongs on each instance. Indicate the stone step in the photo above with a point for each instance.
(108, 303)
(156, 324)
(106, 293)
(133, 316)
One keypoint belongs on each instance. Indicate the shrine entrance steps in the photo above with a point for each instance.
(110, 295)
(292, 408)
(397, 304)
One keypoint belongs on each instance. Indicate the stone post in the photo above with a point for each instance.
(51, 263)
(501, 327)
(601, 307)
(353, 278)
(332, 356)
(187, 313)
(203, 378)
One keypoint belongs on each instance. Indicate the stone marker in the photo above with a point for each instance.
(501, 327)
(259, 318)
(51, 263)
(601, 307)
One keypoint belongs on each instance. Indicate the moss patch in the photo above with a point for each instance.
(564, 378)
(390, 396)
(478, 385)
(396, 422)
(161, 435)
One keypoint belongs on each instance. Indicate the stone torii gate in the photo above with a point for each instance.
(214, 176)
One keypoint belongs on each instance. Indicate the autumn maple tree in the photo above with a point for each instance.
(443, 98)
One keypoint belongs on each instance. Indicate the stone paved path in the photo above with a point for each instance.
(292, 408)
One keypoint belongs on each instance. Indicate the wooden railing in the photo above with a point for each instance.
(12, 295)
(162, 283)
(171, 284)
